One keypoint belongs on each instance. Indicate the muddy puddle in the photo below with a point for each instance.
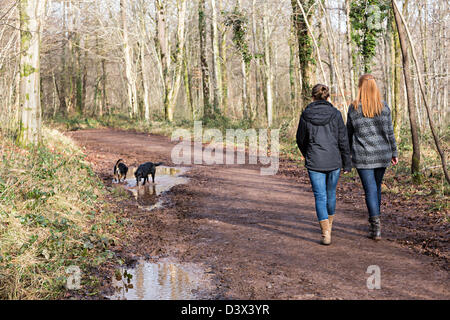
(165, 280)
(148, 196)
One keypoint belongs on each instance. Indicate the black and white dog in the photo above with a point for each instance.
(144, 170)
(120, 170)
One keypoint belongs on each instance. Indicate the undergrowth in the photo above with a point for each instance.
(52, 216)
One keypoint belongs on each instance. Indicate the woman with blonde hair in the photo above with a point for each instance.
(372, 144)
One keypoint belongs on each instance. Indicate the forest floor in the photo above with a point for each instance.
(258, 235)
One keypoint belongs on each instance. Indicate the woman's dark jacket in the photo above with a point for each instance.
(322, 138)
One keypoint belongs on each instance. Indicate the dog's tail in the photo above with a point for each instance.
(117, 163)
(158, 164)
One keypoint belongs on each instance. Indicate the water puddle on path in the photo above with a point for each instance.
(148, 196)
(165, 280)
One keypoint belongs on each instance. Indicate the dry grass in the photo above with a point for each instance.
(51, 216)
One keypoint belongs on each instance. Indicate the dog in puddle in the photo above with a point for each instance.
(144, 170)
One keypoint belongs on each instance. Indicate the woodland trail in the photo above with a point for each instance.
(258, 235)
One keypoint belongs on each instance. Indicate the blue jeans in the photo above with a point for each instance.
(324, 188)
(371, 180)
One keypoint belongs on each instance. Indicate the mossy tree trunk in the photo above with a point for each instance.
(203, 59)
(31, 14)
(222, 30)
(305, 46)
(216, 58)
(162, 44)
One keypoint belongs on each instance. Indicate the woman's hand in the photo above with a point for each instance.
(394, 161)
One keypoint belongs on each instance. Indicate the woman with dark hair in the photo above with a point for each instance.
(322, 139)
(372, 144)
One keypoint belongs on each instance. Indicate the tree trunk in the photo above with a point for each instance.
(187, 86)
(415, 162)
(164, 52)
(144, 65)
(401, 21)
(257, 65)
(69, 72)
(292, 85)
(350, 51)
(203, 58)
(396, 80)
(31, 12)
(268, 69)
(245, 71)
(129, 79)
(223, 61)
(216, 58)
(175, 87)
(302, 13)
(104, 97)
(334, 62)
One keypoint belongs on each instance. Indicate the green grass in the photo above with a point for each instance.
(52, 215)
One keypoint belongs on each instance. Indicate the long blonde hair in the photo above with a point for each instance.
(368, 96)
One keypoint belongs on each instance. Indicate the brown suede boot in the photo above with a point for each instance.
(326, 233)
(330, 221)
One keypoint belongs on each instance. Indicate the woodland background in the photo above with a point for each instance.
(252, 62)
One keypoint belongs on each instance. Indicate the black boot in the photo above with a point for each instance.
(375, 228)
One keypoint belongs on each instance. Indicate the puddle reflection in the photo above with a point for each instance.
(148, 196)
(155, 281)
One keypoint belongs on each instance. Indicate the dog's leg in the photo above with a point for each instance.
(153, 177)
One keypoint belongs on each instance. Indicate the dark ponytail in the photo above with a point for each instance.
(320, 92)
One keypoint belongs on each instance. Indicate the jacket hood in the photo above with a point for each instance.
(319, 113)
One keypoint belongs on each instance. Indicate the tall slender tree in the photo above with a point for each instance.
(350, 53)
(129, 77)
(415, 161)
(268, 67)
(216, 58)
(178, 60)
(400, 20)
(239, 23)
(31, 22)
(207, 110)
(305, 45)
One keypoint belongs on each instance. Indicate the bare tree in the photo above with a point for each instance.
(268, 68)
(402, 30)
(179, 57)
(203, 58)
(31, 21)
(415, 161)
(129, 77)
(216, 58)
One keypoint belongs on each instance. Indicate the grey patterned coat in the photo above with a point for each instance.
(372, 140)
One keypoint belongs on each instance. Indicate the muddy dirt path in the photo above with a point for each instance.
(257, 236)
